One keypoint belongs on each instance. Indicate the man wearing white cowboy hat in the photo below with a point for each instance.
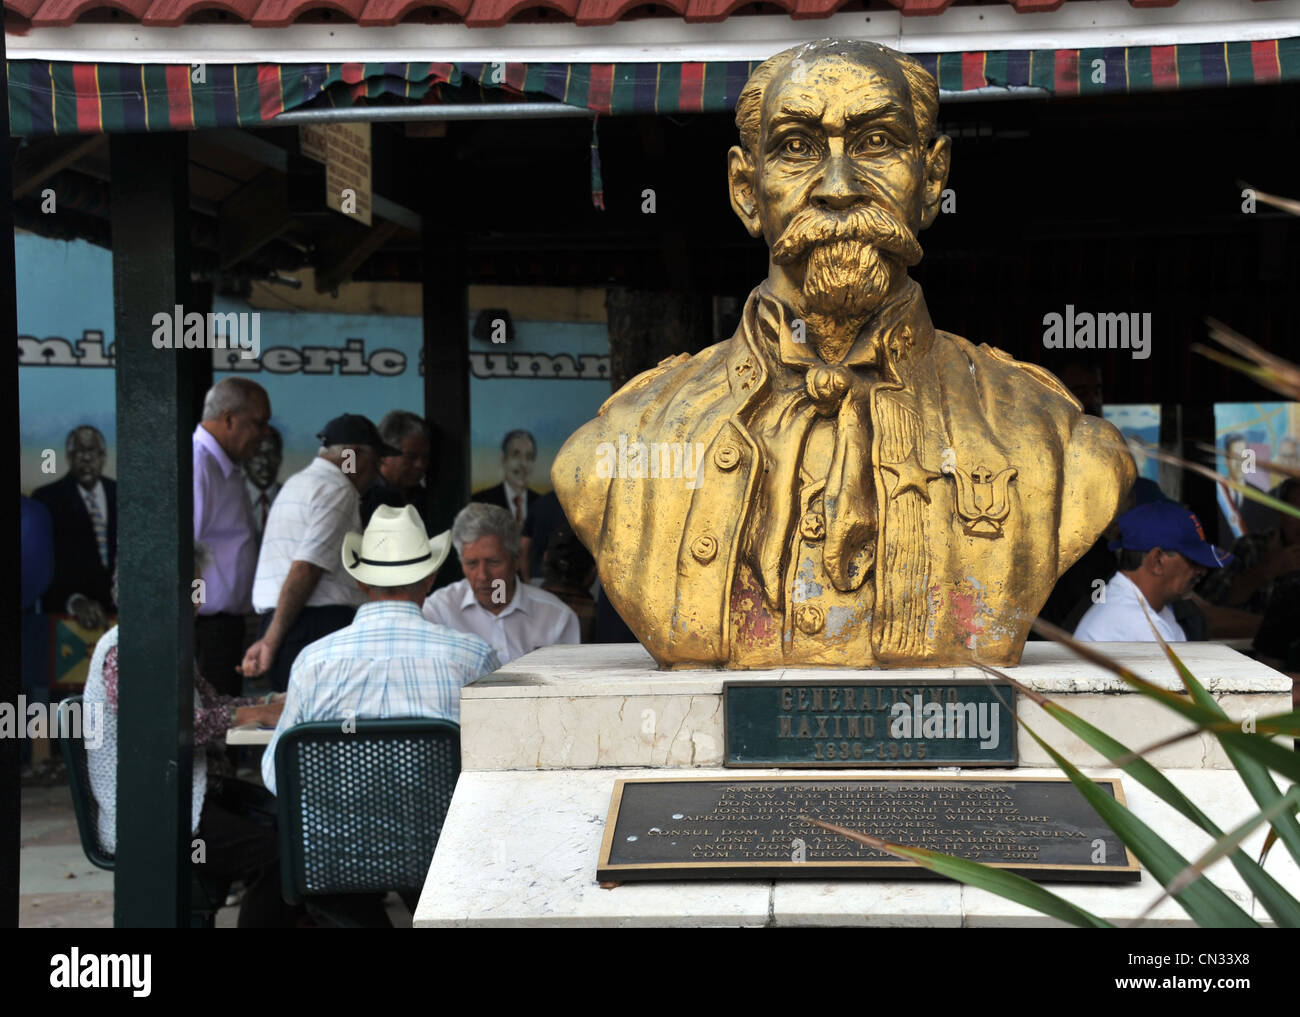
(390, 662)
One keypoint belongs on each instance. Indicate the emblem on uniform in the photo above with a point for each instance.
(983, 500)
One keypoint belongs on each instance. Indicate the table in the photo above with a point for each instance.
(249, 734)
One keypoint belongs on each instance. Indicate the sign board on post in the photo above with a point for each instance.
(347, 170)
(313, 141)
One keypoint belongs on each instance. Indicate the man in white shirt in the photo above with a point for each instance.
(512, 617)
(301, 590)
(1163, 552)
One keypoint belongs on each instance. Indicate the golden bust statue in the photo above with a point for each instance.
(860, 489)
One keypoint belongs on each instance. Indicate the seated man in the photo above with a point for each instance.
(511, 616)
(1163, 552)
(389, 662)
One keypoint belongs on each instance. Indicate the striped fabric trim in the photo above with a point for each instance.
(71, 98)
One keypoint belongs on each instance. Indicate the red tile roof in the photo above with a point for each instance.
(474, 13)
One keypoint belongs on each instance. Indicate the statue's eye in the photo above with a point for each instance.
(796, 147)
(877, 142)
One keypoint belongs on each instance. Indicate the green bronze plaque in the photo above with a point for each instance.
(758, 828)
(862, 724)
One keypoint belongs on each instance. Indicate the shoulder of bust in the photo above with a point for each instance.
(673, 375)
(986, 358)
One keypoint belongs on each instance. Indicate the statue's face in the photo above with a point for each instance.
(840, 184)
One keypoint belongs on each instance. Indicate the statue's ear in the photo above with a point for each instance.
(937, 159)
(741, 185)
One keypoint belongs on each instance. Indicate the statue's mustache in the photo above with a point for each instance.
(869, 224)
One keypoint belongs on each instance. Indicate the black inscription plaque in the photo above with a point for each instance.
(863, 724)
(751, 827)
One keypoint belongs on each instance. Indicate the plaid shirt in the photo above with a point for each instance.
(389, 662)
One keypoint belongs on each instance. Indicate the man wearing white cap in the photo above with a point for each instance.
(389, 662)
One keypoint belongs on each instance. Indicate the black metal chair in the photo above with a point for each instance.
(206, 895)
(360, 810)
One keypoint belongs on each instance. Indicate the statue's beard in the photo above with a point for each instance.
(854, 261)
(846, 279)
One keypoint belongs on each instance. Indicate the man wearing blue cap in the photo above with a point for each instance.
(1163, 552)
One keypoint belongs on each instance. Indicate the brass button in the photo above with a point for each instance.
(727, 456)
(704, 549)
(809, 619)
(812, 526)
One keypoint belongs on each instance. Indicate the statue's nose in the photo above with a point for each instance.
(838, 188)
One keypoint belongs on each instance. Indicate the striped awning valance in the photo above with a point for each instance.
(70, 98)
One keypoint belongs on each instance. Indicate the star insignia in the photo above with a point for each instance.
(910, 475)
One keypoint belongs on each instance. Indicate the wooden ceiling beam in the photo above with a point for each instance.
(36, 163)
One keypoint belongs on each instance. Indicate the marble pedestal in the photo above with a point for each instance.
(544, 739)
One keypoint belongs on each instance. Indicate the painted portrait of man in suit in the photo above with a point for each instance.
(83, 508)
(518, 456)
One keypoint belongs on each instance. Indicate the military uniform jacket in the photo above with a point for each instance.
(752, 507)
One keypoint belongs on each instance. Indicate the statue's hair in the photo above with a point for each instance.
(920, 83)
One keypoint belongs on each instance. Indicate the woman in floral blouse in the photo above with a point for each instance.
(232, 821)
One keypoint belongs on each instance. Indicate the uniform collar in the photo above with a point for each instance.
(900, 329)
(901, 332)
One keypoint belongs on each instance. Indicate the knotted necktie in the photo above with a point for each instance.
(841, 392)
(98, 522)
(849, 498)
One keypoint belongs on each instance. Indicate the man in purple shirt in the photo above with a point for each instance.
(236, 414)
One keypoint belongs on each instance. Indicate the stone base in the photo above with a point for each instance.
(544, 739)
(575, 707)
(520, 849)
